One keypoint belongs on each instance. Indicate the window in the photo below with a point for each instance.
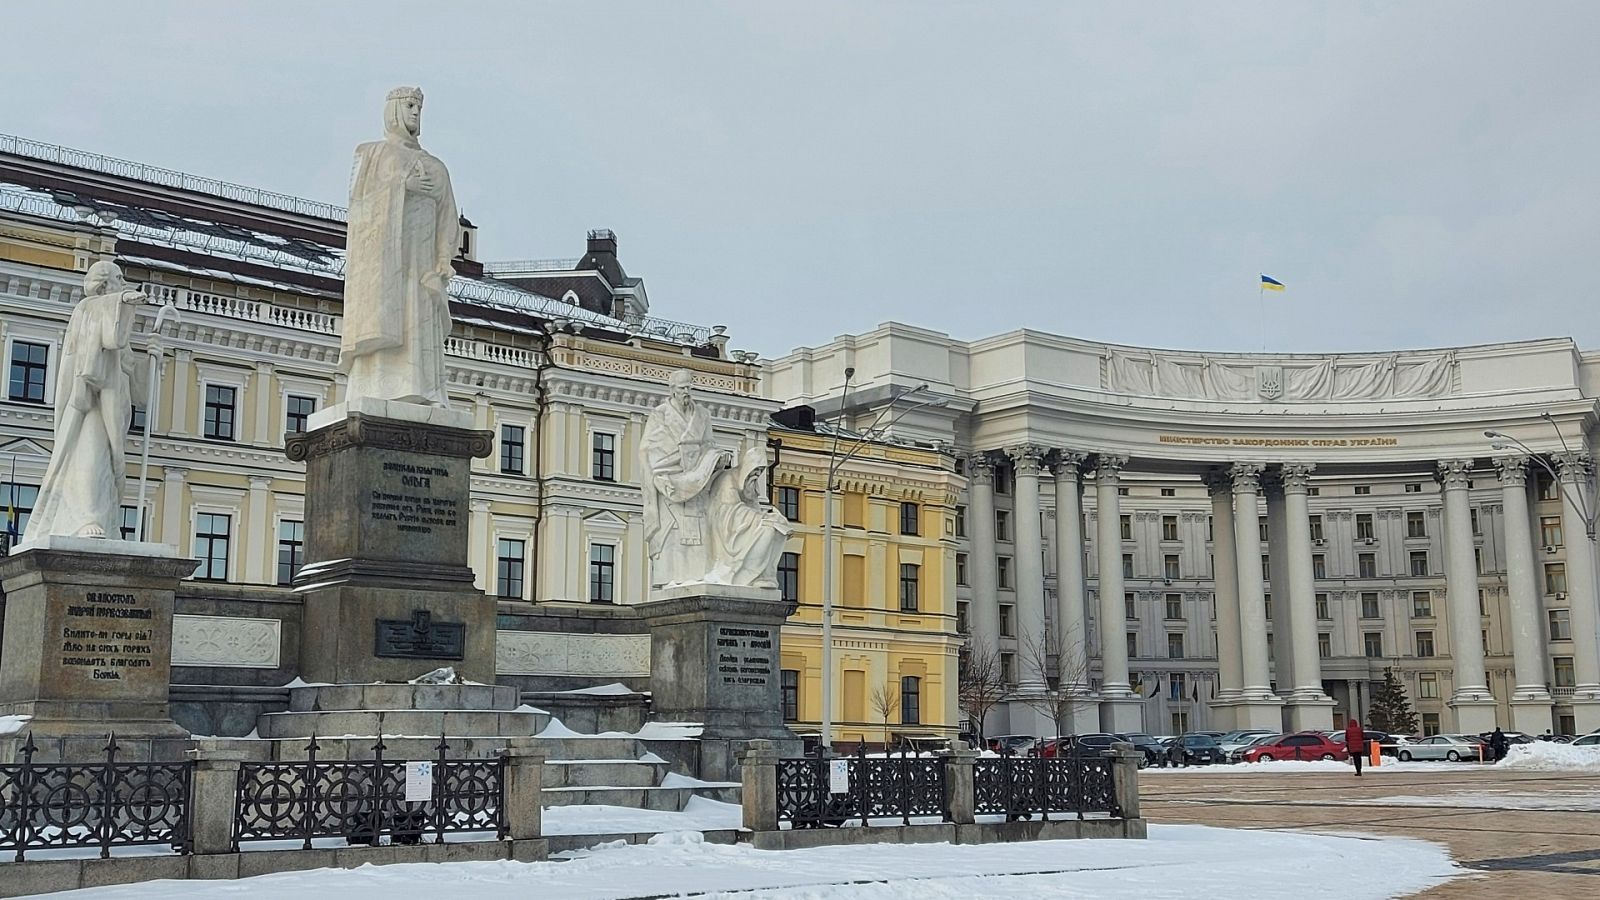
(1180, 721)
(1476, 529)
(1416, 525)
(1169, 492)
(1428, 686)
(30, 363)
(1002, 572)
(129, 529)
(1266, 568)
(961, 569)
(1263, 526)
(789, 683)
(1421, 605)
(1363, 489)
(961, 521)
(1560, 625)
(1169, 528)
(1366, 565)
(1322, 607)
(1174, 606)
(1002, 525)
(1133, 644)
(1007, 628)
(1550, 530)
(291, 549)
(1122, 492)
(512, 441)
(1266, 603)
(211, 538)
(1174, 645)
(1419, 562)
(1413, 487)
(910, 519)
(602, 573)
(910, 700)
(1549, 490)
(1126, 524)
(20, 497)
(1483, 608)
(1424, 643)
(962, 624)
(1363, 526)
(221, 402)
(1477, 560)
(605, 456)
(789, 503)
(1002, 480)
(1008, 668)
(1324, 645)
(138, 420)
(1555, 578)
(509, 559)
(1316, 528)
(1430, 724)
(1369, 604)
(1563, 670)
(1372, 644)
(910, 581)
(1169, 566)
(297, 412)
(1175, 685)
(1272, 653)
(1319, 566)
(1129, 611)
(789, 576)
(1127, 565)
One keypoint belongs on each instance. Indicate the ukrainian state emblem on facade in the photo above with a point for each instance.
(1269, 382)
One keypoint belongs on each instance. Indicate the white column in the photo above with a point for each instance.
(1530, 700)
(1577, 473)
(1120, 709)
(985, 611)
(1034, 643)
(1309, 707)
(173, 521)
(1070, 613)
(261, 401)
(1473, 704)
(1230, 666)
(1259, 707)
(480, 547)
(257, 542)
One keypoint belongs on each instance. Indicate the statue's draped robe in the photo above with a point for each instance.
(750, 531)
(83, 483)
(680, 461)
(400, 242)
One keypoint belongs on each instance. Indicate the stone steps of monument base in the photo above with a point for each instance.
(281, 725)
(668, 799)
(589, 747)
(395, 746)
(603, 773)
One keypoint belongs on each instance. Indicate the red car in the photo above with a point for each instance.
(1304, 745)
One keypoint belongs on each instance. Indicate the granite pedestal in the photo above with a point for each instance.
(715, 659)
(88, 646)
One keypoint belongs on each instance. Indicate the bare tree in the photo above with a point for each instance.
(885, 702)
(1072, 679)
(982, 683)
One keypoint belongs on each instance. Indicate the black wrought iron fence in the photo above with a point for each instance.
(365, 801)
(1020, 787)
(894, 786)
(49, 806)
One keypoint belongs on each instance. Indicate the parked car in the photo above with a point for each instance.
(1013, 744)
(1244, 737)
(1301, 745)
(1195, 749)
(1452, 747)
(1588, 740)
(1237, 754)
(1153, 750)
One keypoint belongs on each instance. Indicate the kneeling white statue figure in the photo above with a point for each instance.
(705, 520)
(81, 494)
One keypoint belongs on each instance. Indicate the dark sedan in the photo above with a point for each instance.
(1195, 750)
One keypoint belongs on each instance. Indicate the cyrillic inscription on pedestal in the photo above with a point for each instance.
(746, 655)
(107, 636)
(406, 499)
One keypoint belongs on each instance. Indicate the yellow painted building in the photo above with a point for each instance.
(895, 641)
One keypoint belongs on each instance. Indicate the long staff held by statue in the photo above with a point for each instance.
(153, 408)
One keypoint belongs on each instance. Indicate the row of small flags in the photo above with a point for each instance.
(1194, 693)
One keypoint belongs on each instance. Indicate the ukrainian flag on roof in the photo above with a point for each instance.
(1268, 283)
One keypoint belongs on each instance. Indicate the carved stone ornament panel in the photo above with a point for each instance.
(552, 653)
(1152, 373)
(229, 641)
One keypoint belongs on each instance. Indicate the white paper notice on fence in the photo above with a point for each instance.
(839, 776)
(419, 782)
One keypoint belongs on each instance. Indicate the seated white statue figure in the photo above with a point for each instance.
(81, 495)
(750, 531)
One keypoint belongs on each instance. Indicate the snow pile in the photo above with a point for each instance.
(1549, 756)
(613, 689)
(12, 724)
(674, 780)
(554, 729)
(698, 815)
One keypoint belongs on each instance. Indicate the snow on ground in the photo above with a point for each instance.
(1278, 767)
(614, 689)
(674, 780)
(699, 814)
(1178, 861)
(12, 724)
(1548, 756)
(1549, 798)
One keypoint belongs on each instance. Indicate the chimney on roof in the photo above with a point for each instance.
(603, 241)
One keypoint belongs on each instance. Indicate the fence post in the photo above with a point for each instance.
(1125, 777)
(213, 801)
(758, 776)
(960, 790)
(523, 789)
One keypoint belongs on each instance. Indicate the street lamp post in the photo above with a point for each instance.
(836, 461)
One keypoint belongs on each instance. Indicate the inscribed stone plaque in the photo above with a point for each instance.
(420, 637)
(745, 655)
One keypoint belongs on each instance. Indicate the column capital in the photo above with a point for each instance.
(1246, 477)
(174, 473)
(1574, 466)
(1068, 463)
(260, 482)
(1453, 474)
(1513, 470)
(1027, 458)
(1296, 477)
(1218, 482)
(980, 466)
(1108, 466)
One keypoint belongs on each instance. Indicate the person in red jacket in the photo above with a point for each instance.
(1355, 741)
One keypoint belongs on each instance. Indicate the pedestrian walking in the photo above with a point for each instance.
(1355, 741)
(1498, 744)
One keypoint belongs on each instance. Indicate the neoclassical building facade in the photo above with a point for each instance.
(1192, 540)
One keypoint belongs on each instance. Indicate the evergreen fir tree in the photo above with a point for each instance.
(1391, 710)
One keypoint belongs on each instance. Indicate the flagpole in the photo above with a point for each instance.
(1261, 313)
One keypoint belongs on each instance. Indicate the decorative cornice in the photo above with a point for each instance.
(358, 430)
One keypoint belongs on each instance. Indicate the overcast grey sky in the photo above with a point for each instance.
(1418, 174)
